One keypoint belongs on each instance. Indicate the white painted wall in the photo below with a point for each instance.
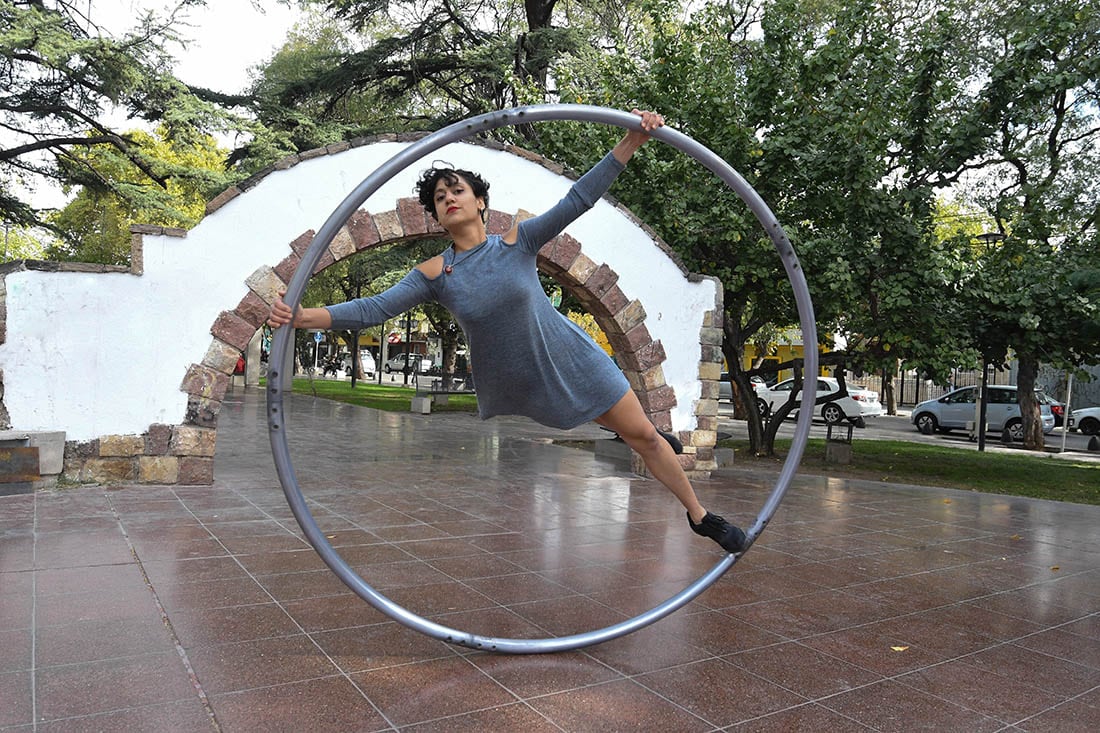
(104, 354)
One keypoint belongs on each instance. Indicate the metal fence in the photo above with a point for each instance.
(910, 388)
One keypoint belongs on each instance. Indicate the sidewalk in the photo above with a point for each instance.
(863, 607)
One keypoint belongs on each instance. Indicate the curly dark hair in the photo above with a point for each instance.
(425, 187)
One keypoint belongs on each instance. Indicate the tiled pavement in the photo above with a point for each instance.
(863, 606)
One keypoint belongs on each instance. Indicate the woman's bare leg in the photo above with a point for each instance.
(627, 418)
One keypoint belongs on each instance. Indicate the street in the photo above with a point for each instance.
(898, 427)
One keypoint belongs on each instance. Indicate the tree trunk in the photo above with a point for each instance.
(743, 391)
(1029, 406)
(888, 396)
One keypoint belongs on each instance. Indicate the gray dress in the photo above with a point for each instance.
(528, 358)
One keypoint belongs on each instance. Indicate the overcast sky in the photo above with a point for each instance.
(227, 36)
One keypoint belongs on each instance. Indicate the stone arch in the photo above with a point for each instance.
(183, 453)
(595, 284)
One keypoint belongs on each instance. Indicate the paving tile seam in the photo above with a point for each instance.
(34, 613)
(895, 678)
(522, 703)
(340, 674)
(964, 657)
(1090, 667)
(1004, 725)
(632, 679)
(103, 714)
(900, 679)
(721, 660)
(807, 704)
(193, 678)
(1051, 709)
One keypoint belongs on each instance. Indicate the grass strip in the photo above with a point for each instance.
(1033, 475)
(389, 397)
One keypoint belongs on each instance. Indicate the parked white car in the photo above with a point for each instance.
(860, 402)
(366, 359)
(957, 408)
(1087, 420)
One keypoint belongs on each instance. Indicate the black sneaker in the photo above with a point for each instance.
(718, 529)
(677, 446)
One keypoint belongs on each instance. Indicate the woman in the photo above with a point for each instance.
(529, 359)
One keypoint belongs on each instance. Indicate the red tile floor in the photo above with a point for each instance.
(863, 606)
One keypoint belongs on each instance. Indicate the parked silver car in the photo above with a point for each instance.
(725, 389)
(416, 363)
(957, 408)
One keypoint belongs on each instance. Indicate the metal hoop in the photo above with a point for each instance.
(278, 382)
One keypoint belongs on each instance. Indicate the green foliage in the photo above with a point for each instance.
(19, 243)
(63, 83)
(95, 225)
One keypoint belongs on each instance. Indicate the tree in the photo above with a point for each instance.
(811, 113)
(95, 224)
(1030, 289)
(64, 83)
(395, 66)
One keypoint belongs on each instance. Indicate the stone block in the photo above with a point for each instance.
(614, 300)
(499, 222)
(701, 438)
(51, 451)
(711, 336)
(196, 471)
(202, 411)
(710, 370)
(118, 446)
(630, 316)
(389, 225)
(233, 329)
(156, 440)
(205, 382)
(422, 405)
(158, 469)
(342, 244)
(221, 356)
(660, 399)
(188, 440)
(653, 378)
(412, 215)
(363, 232)
(302, 241)
(651, 355)
(108, 470)
(706, 407)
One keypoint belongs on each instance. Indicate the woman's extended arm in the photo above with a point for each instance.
(411, 291)
(535, 232)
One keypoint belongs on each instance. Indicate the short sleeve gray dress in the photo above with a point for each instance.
(528, 358)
